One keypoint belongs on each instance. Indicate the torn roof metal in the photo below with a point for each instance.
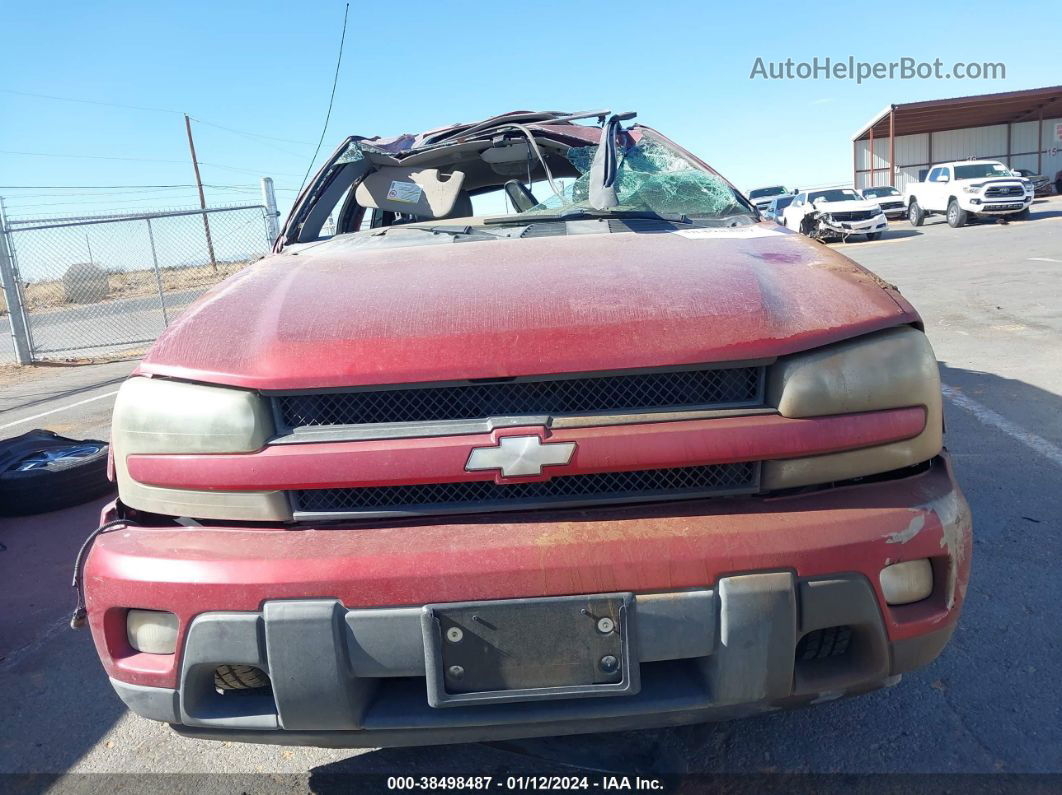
(552, 123)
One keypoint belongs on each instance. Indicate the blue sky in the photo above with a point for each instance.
(266, 68)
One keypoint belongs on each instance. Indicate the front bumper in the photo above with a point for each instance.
(876, 224)
(1001, 206)
(723, 592)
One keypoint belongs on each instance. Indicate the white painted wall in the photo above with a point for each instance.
(974, 142)
(979, 142)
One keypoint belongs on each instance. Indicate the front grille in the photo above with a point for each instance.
(648, 484)
(1004, 190)
(891, 205)
(860, 215)
(701, 388)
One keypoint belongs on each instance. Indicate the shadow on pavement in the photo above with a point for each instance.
(56, 700)
(38, 559)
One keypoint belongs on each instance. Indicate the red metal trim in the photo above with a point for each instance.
(931, 162)
(662, 546)
(1039, 140)
(607, 448)
(960, 113)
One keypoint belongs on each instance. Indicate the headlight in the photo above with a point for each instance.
(887, 370)
(971, 188)
(153, 415)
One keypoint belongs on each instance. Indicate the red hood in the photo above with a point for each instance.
(336, 314)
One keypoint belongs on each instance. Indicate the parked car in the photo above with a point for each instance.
(625, 456)
(888, 198)
(1041, 185)
(775, 208)
(1058, 183)
(835, 213)
(966, 190)
(762, 197)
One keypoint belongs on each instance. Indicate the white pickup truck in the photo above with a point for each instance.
(967, 189)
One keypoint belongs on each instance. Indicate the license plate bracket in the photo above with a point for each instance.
(529, 649)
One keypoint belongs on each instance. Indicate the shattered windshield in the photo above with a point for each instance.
(651, 177)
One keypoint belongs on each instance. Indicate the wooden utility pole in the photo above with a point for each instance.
(202, 197)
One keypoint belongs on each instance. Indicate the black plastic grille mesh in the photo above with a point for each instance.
(858, 215)
(687, 388)
(1005, 190)
(648, 483)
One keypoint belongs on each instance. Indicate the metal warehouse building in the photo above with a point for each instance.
(1022, 129)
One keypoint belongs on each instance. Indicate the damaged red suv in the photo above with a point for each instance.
(547, 433)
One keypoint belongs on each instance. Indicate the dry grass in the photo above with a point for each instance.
(129, 284)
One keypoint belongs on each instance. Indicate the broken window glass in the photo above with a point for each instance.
(351, 154)
(651, 176)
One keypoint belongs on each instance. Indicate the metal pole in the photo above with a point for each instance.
(158, 278)
(1040, 140)
(202, 197)
(870, 163)
(269, 198)
(892, 146)
(89, 247)
(13, 296)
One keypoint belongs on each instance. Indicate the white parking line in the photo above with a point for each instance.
(1049, 451)
(1044, 259)
(61, 408)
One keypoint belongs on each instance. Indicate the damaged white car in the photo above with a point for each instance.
(834, 213)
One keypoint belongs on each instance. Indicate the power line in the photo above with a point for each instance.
(96, 194)
(251, 134)
(133, 160)
(120, 203)
(151, 109)
(102, 187)
(331, 99)
(87, 101)
(88, 157)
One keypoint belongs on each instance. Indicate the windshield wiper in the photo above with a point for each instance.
(586, 214)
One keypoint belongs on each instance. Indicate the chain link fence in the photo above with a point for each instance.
(93, 287)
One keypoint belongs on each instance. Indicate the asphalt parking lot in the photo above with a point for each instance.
(991, 297)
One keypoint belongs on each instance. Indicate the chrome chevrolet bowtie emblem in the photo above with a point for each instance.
(520, 456)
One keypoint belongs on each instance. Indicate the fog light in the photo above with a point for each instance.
(152, 631)
(907, 582)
